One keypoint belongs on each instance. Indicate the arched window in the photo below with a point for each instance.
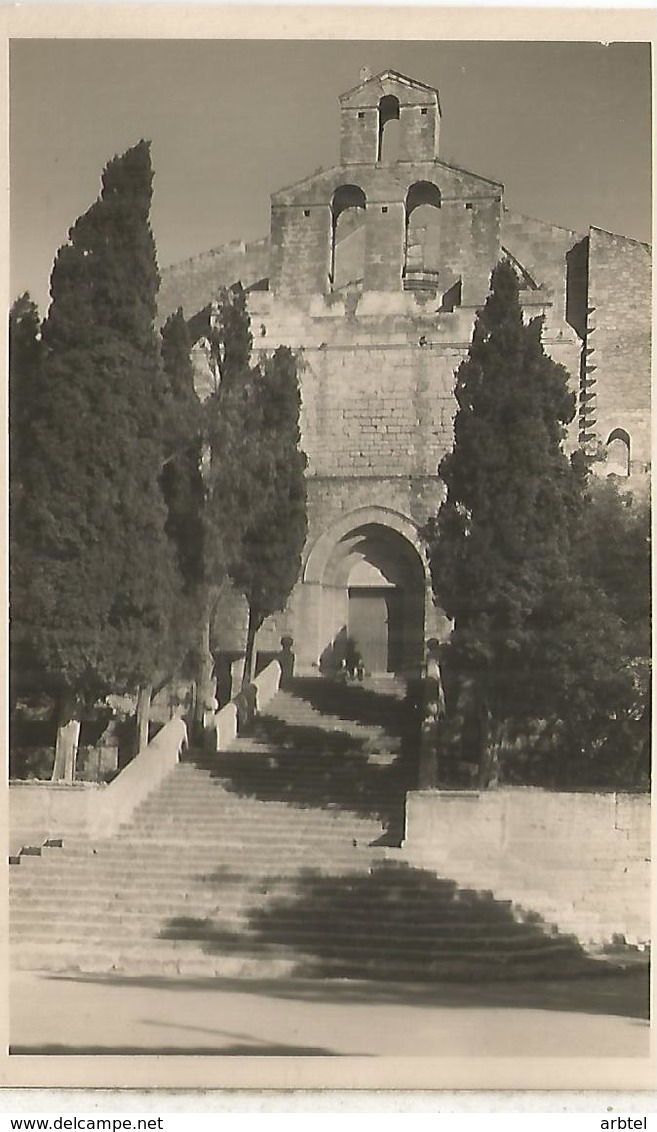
(422, 237)
(347, 236)
(388, 146)
(618, 453)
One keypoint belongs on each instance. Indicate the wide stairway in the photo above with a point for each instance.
(276, 859)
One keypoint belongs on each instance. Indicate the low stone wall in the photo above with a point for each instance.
(118, 802)
(39, 810)
(267, 684)
(222, 727)
(580, 860)
(42, 810)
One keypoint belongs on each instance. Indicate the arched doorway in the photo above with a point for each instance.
(372, 590)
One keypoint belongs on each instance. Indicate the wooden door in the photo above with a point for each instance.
(368, 626)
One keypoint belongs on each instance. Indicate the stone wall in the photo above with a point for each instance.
(377, 362)
(542, 249)
(580, 860)
(193, 283)
(470, 214)
(619, 339)
(419, 120)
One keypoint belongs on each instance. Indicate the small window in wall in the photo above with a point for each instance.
(424, 111)
(618, 453)
(388, 147)
(306, 212)
(361, 113)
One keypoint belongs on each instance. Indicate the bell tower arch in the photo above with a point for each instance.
(384, 107)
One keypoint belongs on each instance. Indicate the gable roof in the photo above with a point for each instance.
(393, 76)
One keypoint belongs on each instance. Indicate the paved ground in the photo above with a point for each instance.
(598, 1017)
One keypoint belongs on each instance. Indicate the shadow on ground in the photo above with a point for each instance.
(625, 994)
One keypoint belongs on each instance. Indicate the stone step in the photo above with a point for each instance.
(243, 864)
(277, 962)
(291, 915)
(186, 859)
(223, 890)
(293, 931)
(190, 936)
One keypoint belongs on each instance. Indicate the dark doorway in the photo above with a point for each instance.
(375, 624)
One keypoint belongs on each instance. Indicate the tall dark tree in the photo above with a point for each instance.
(227, 471)
(182, 481)
(501, 545)
(25, 360)
(93, 578)
(269, 559)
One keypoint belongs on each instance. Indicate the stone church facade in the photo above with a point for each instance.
(372, 274)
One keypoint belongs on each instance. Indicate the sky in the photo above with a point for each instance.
(566, 127)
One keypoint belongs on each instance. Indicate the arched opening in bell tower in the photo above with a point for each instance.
(422, 236)
(389, 129)
(347, 259)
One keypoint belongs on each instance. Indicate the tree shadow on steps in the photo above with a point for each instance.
(355, 703)
(395, 923)
(313, 767)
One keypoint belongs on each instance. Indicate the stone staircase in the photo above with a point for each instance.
(276, 858)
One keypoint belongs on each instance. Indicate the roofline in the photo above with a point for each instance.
(548, 223)
(578, 231)
(620, 236)
(470, 172)
(376, 165)
(391, 73)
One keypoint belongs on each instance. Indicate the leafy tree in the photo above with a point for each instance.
(253, 514)
(219, 510)
(613, 559)
(613, 553)
(500, 547)
(270, 551)
(93, 579)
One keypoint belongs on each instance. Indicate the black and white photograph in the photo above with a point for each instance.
(329, 744)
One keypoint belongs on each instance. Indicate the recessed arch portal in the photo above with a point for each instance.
(371, 575)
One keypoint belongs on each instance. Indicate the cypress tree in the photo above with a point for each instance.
(226, 472)
(25, 360)
(181, 480)
(94, 580)
(501, 547)
(269, 559)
